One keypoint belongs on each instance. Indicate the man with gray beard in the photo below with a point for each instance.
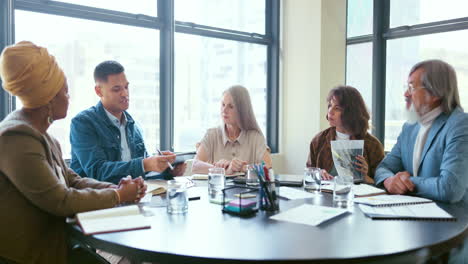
(430, 158)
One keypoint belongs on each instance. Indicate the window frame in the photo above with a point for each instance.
(381, 32)
(167, 25)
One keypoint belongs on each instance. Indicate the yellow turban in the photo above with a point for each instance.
(30, 73)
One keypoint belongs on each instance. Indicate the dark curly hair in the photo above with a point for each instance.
(355, 117)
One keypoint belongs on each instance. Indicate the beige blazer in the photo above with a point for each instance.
(37, 192)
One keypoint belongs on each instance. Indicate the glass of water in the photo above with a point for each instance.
(343, 191)
(216, 181)
(313, 180)
(251, 178)
(177, 200)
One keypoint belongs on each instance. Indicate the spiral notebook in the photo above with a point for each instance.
(391, 200)
(401, 207)
(424, 211)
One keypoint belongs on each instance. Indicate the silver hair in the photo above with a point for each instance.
(439, 79)
(245, 114)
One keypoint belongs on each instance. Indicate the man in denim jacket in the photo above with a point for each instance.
(106, 142)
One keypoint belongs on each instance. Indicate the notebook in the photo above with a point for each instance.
(112, 220)
(423, 211)
(391, 200)
(359, 190)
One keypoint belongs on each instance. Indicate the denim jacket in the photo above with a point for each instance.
(96, 150)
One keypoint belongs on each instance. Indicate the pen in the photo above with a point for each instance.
(194, 198)
(168, 163)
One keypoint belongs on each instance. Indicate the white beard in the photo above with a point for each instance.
(411, 115)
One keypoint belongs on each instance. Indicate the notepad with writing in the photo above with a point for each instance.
(112, 220)
(423, 211)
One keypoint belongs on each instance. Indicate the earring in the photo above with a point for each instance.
(50, 119)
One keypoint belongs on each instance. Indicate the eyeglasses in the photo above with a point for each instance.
(410, 88)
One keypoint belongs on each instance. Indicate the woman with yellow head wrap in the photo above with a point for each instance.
(37, 189)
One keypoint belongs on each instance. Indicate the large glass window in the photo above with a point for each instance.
(359, 70)
(145, 7)
(78, 50)
(217, 52)
(443, 39)
(404, 12)
(204, 68)
(403, 53)
(242, 15)
(359, 17)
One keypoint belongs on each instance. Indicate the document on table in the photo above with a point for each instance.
(359, 190)
(308, 214)
(425, 211)
(293, 194)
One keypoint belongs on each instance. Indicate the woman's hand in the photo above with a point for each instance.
(326, 176)
(222, 164)
(235, 165)
(128, 191)
(362, 166)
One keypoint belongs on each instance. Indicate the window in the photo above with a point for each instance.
(79, 50)
(216, 44)
(146, 7)
(359, 70)
(403, 53)
(204, 68)
(407, 40)
(242, 15)
(403, 12)
(359, 17)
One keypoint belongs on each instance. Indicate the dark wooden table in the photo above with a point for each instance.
(206, 235)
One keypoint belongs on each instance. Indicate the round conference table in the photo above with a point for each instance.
(207, 235)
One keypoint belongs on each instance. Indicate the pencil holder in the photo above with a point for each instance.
(239, 200)
(269, 196)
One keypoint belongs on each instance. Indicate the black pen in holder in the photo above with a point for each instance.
(269, 195)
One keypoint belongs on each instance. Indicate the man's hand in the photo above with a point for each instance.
(399, 184)
(179, 169)
(159, 163)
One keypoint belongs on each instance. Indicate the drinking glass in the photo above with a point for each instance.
(251, 178)
(177, 200)
(343, 191)
(313, 179)
(216, 181)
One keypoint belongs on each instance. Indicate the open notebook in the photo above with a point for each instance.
(112, 220)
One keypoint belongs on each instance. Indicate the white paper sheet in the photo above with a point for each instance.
(293, 194)
(308, 214)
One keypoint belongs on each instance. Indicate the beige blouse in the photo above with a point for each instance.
(250, 146)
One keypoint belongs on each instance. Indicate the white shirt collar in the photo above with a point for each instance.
(115, 120)
(342, 136)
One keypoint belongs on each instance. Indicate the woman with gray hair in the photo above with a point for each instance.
(238, 141)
